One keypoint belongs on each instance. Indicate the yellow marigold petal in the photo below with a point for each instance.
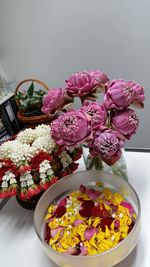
(107, 193)
(48, 215)
(100, 184)
(107, 232)
(118, 198)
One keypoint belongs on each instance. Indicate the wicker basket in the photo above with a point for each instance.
(33, 120)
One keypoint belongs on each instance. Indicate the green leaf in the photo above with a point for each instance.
(30, 90)
(39, 93)
(20, 96)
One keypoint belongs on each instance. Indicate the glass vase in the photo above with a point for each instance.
(96, 163)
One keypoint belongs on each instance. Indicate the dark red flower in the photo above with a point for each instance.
(8, 165)
(100, 211)
(106, 222)
(37, 159)
(76, 154)
(82, 188)
(54, 180)
(63, 202)
(33, 190)
(23, 194)
(74, 167)
(4, 193)
(130, 227)
(13, 189)
(86, 207)
(77, 251)
(59, 212)
(47, 233)
(24, 168)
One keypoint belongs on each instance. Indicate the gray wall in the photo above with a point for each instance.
(50, 39)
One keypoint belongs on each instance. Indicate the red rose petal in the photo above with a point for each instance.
(106, 222)
(63, 202)
(82, 188)
(86, 207)
(59, 212)
(97, 211)
(131, 226)
(92, 193)
(47, 233)
(77, 251)
(89, 204)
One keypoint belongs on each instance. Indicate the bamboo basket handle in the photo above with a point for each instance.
(29, 80)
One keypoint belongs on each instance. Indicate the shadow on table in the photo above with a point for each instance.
(129, 261)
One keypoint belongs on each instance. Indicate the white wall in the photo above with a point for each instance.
(50, 39)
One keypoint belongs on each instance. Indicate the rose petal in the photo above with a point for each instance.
(82, 188)
(86, 207)
(47, 233)
(130, 227)
(77, 251)
(83, 251)
(55, 231)
(106, 222)
(62, 202)
(89, 232)
(100, 212)
(77, 222)
(128, 206)
(116, 225)
(92, 193)
(59, 212)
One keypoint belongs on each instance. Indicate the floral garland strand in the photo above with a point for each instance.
(28, 164)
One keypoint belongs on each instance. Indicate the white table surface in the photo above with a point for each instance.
(19, 245)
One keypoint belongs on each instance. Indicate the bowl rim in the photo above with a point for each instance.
(137, 222)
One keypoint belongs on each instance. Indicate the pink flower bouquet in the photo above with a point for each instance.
(102, 127)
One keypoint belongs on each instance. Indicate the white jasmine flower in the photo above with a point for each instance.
(30, 182)
(23, 184)
(42, 175)
(65, 159)
(4, 184)
(13, 181)
(49, 172)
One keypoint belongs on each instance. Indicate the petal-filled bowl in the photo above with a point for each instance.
(71, 183)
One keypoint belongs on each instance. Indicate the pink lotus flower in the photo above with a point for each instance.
(125, 122)
(100, 76)
(97, 113)
(53, 100)
(139, 96)
(71, 129)
(119, 94)
(81, 84)
(108, 144)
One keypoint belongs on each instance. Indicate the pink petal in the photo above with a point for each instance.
(89, 232)
(62, 202)
(55, 231)
(116, 224)
(77, 222)
(128, 206)
(83, 251)
(92, 193)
